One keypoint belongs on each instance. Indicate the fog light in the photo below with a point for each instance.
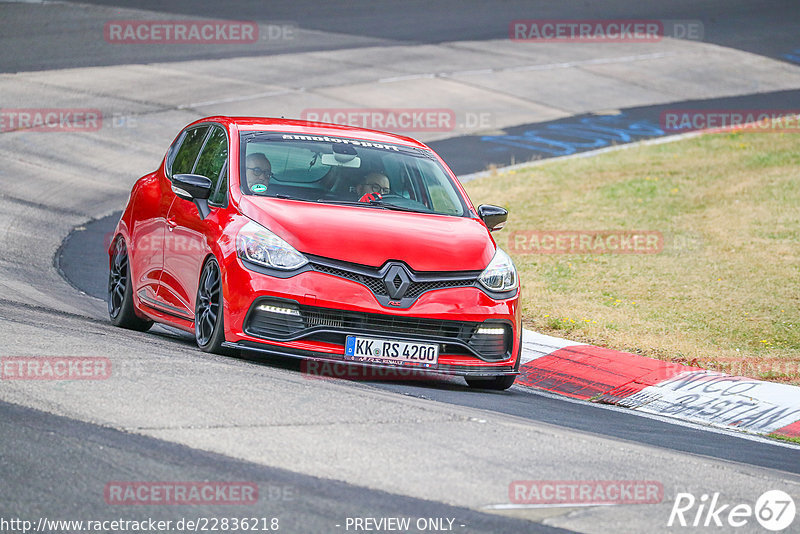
(490, 331)
(491, 340)
(278, 309)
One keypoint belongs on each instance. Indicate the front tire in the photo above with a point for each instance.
(120, 292)
(498, 383)
(209, 324)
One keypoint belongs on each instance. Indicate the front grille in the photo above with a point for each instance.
(343, 273)
(373, 279)
(286, 321)
(418, 288)
(389, 324)
(324, 319)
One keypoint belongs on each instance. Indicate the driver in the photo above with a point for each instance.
(259, 171)
(373, 186)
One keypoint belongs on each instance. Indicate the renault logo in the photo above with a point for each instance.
(396, 281)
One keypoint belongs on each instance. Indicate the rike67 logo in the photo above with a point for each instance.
(774, 510)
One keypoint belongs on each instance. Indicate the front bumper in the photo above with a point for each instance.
(328, 308)
(393, 371)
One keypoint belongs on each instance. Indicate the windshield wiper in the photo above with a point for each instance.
(343, 202)
(372, 203)
(289, 197)
(390, 206)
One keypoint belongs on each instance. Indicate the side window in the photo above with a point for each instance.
(221, 193)
(212, 161)
(443, 199)
(187, 153)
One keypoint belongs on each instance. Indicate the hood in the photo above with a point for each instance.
(372, 236)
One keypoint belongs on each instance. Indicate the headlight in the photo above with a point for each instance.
(500, 275)
(258, 245)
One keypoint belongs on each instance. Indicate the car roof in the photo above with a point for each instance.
(270, 124)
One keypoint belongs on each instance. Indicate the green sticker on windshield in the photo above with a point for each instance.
(258, 188)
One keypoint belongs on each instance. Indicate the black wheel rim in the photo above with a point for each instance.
(117, 279)
(205, 319)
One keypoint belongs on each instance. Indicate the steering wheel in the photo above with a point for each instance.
(369, 197)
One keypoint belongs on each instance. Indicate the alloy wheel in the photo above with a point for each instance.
(118, 279)
(208, 304)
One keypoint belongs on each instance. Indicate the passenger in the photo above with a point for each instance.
(259, 172)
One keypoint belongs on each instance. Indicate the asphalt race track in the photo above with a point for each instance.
(86, 247)
(323, 451)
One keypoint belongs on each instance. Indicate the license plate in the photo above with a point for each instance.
(372, 350)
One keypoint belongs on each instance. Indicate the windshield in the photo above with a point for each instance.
(343, 171)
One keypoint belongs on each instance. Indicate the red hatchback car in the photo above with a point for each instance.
(318, 241)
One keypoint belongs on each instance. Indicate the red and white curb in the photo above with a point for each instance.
(647, 385)
(657, 387)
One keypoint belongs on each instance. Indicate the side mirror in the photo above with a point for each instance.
(494, 217)
(194, 188)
